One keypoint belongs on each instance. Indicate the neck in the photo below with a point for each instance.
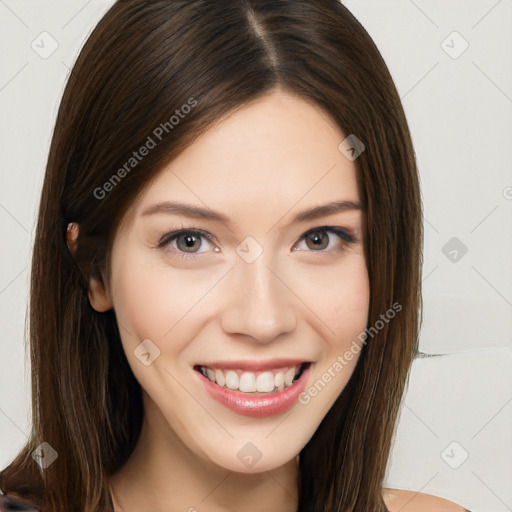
(163, 474)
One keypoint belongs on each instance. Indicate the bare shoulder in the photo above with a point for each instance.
(398, 500)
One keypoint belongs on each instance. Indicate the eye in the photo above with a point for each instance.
(185, 242)
(316, 239)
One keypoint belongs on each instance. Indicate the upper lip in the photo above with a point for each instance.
(255, 365)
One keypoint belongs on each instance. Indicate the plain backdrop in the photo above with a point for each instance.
(452, 65)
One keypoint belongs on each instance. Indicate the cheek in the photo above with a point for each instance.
(140, 299)
(339, 297)
(154, 303)
(351, 300)
(157, 302)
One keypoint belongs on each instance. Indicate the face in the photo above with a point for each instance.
(237, 324)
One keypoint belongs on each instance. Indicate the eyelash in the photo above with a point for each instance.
(346, 237)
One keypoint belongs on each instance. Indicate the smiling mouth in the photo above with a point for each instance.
(254, 383)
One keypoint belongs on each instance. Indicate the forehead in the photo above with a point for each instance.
(277, 152)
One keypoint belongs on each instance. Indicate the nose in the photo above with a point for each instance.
(258, 302)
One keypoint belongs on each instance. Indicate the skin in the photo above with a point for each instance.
(259, 166)
(398, 500)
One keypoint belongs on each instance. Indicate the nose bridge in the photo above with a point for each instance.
(260, 304)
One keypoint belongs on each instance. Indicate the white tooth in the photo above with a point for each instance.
(210, 374)
(247, 382)
(288, 377)
(281, 387)
(279, 379)
(219, 377)
(231, 379)
(265, 382)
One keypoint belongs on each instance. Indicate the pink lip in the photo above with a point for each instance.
(257, 405)
(254, 366)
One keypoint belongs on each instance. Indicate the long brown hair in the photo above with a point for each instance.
(142, 62)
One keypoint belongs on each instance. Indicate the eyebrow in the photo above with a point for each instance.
(198, 212)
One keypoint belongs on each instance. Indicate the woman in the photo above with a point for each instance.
(226, 273)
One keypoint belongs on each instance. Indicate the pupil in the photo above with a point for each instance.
(189, 240)
(317, 237)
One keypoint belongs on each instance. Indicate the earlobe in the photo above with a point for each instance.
(98, 295)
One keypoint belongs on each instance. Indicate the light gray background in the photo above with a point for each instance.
(454, 438)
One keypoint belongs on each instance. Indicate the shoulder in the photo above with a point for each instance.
(398, 500)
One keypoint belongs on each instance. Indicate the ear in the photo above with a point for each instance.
(98, 295)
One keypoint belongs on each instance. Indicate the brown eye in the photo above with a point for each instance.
(185, 242)
(188, 242)
(318, 239)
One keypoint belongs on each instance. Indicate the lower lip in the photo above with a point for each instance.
(256, 405)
